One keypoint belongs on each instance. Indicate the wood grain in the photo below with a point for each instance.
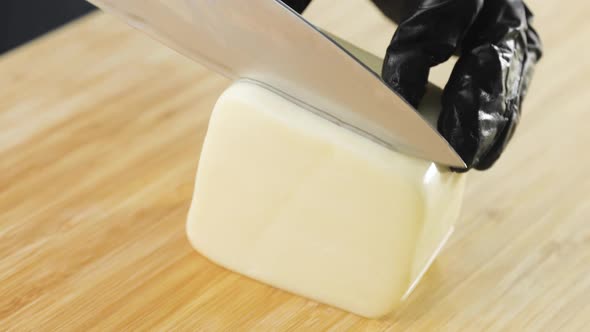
(100, 133)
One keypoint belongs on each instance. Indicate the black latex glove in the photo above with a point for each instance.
(482, 99)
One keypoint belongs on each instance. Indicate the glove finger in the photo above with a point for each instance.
(481, 101)
(430, 32)
(533, 54)
(472, 91)
(297, 5)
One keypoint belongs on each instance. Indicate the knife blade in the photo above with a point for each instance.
(266, 41)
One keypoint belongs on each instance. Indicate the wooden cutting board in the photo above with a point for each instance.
(100, 134)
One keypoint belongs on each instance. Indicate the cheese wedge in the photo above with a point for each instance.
(291, 199)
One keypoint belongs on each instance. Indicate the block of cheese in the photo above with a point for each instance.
(291, 199)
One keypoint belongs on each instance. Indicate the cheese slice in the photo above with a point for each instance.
(291, 199)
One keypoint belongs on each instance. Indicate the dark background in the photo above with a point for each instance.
(24, 20)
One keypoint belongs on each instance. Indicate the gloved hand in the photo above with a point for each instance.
(498, 49)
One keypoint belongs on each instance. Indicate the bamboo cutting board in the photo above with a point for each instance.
(100, 134)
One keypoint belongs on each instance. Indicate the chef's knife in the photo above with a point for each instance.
(265, 41)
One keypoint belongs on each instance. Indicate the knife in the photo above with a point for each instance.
(266, 41)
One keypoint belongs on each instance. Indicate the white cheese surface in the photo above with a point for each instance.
(293, 200)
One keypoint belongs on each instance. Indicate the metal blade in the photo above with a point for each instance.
(265, 41)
